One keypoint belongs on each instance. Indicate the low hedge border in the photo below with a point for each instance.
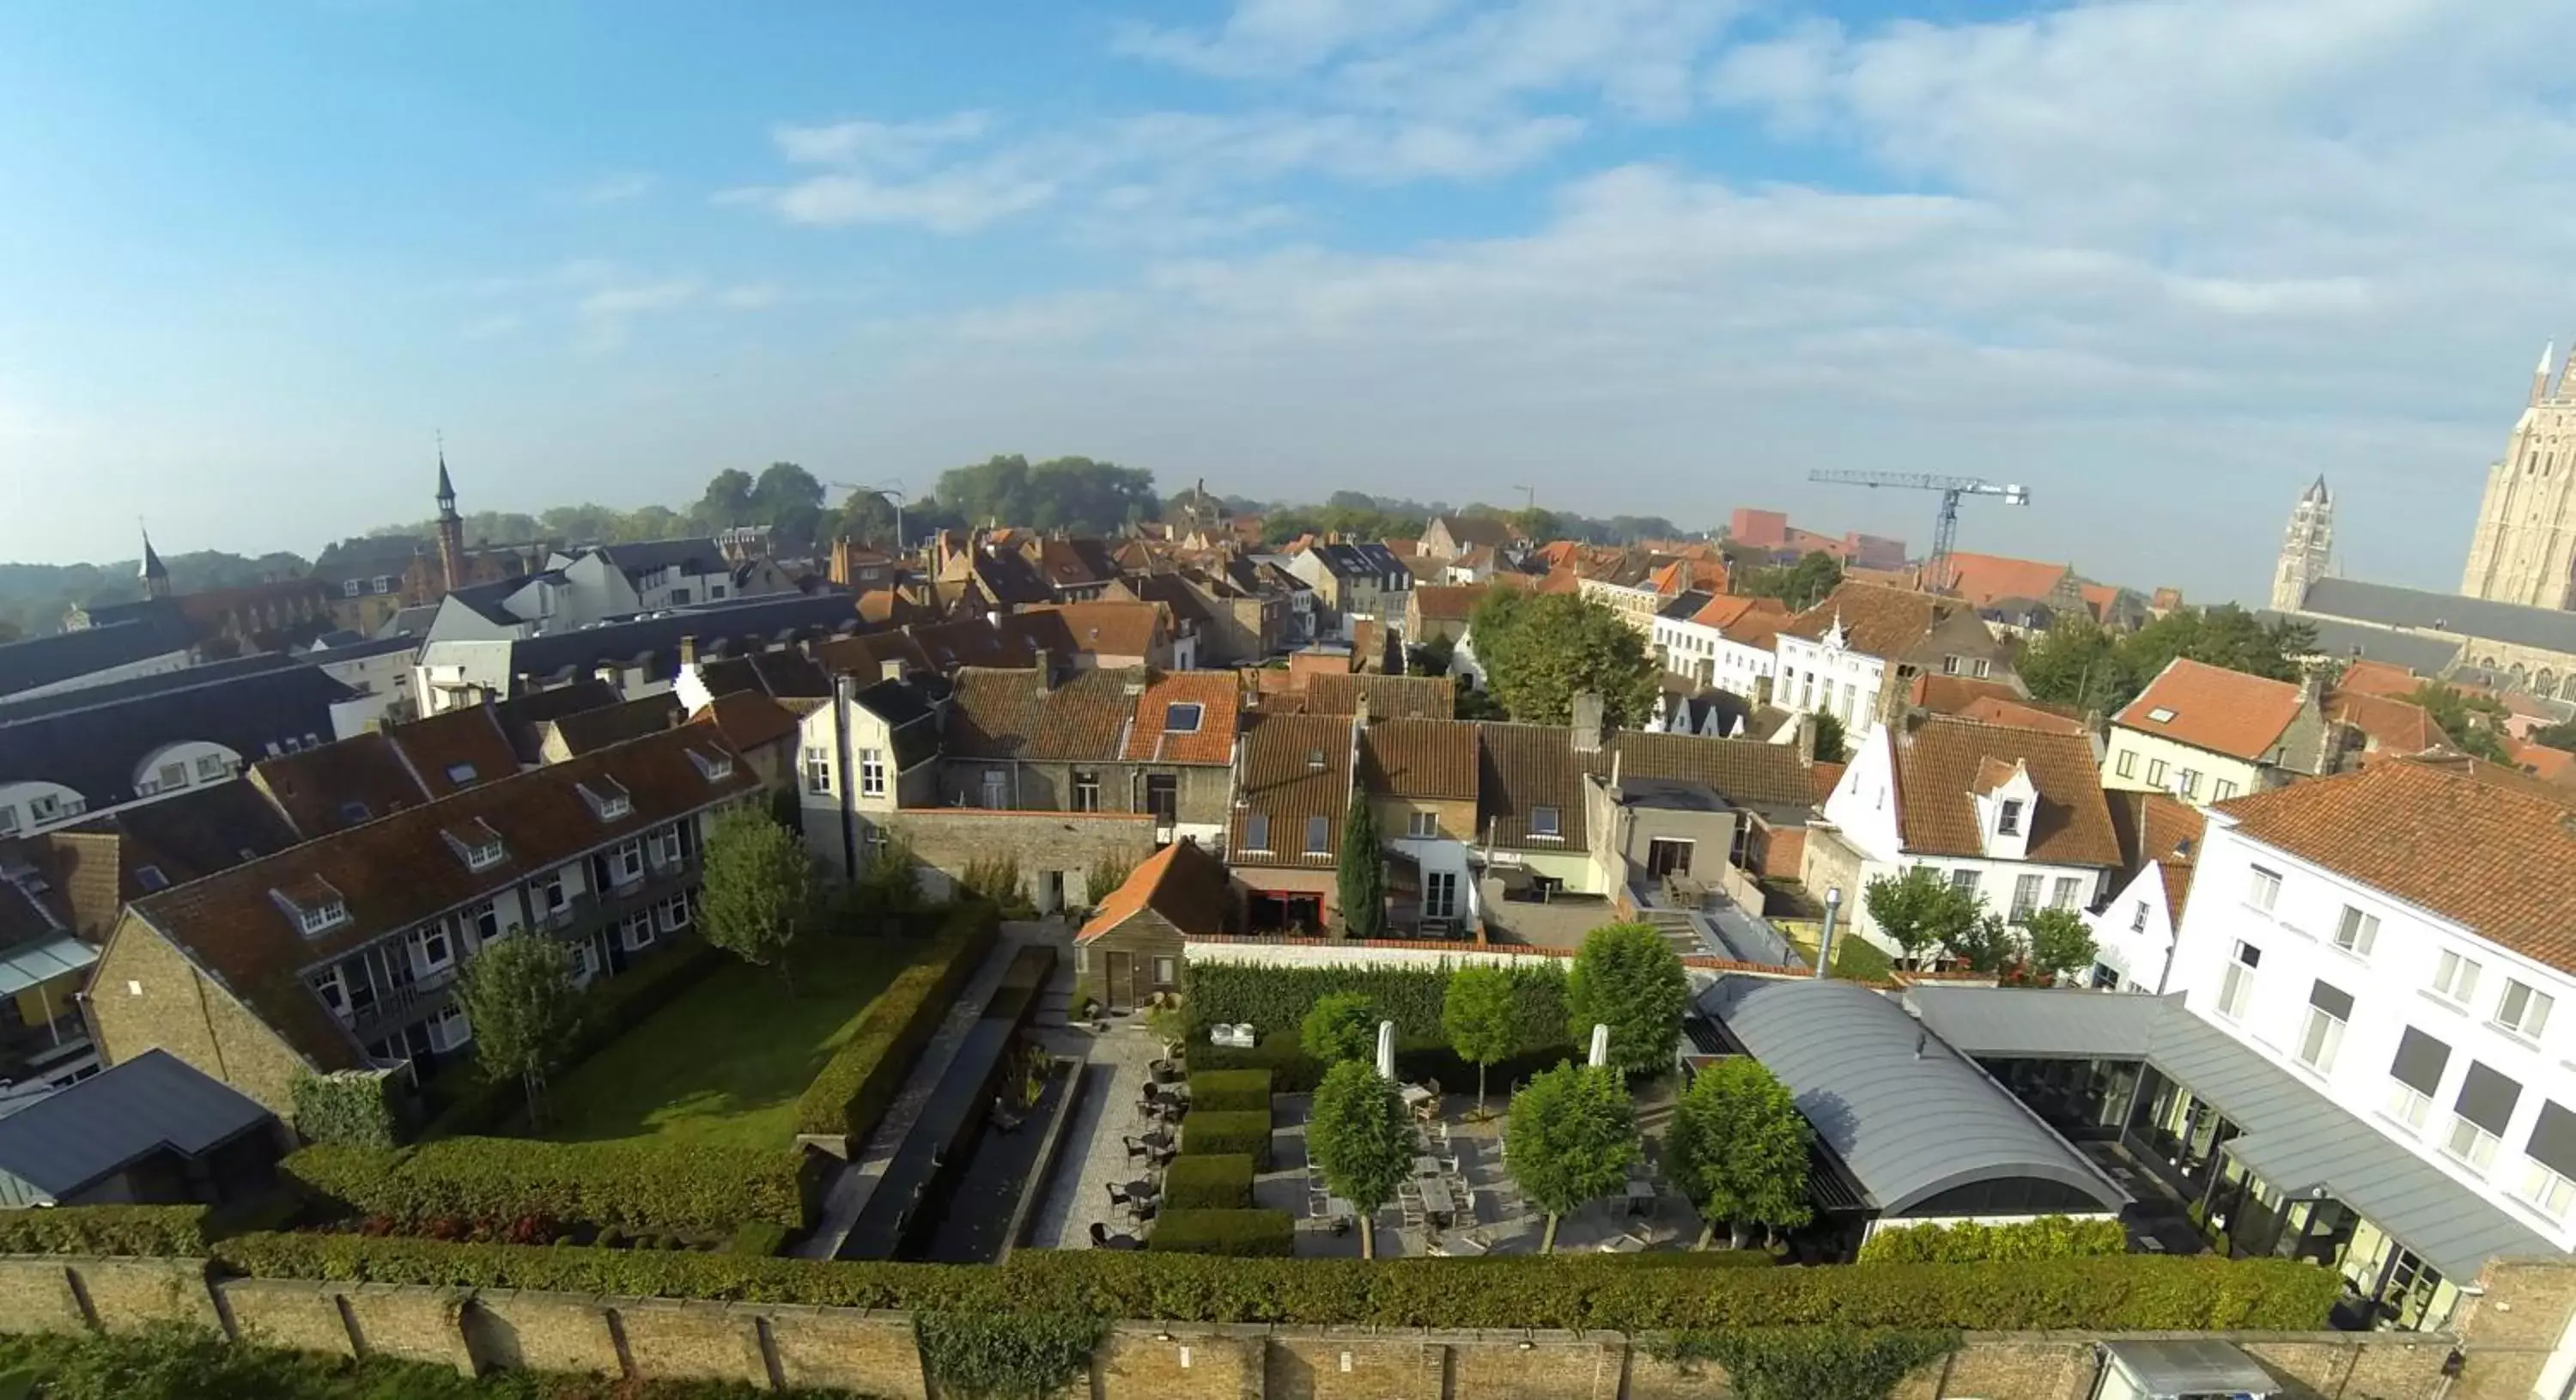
(2138, 1293)
(1237, 1234)
(862, 1078)
(1294, 1072)
(638, 1184)
(2046, 1237)
(1230, 1091)
(114, 1230)
(1206, 1134)
(1209, 1182)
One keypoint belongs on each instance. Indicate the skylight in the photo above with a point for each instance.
(1184, 719)
(2161, 715)
(460, 773)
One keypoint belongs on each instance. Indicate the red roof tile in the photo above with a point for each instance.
(1942, 761)
(2213, 708)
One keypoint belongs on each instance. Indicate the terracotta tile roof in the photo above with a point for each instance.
(1559, 580)
(748, 721)
(1993, 710)
(2099, 598)
(1728, 609)
(1369, 644)
(1881, 622)
(1429, 759)
(397, 873)
(1746, 772)
(2554, 766)
(1825, 776)
(338, 786)
(1013, 714)
(2213, 708)
(975, 641)
(865, 655)
(2392, 725)
(1988, 578)
(1525, 767)
(593, 730)
(1490, 531)
(2496, 859)
(2169, 835)
(1389, 697)
(1310, 662)
(1447, 602)
(1950, 695)
(1938, 767)
(1075, 563)
(1219, 698)
(1184, 884)
(1103, 628)
(1400, 547)
(1295, 767)
(2378, 678)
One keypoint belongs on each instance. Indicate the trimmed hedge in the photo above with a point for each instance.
(352, 1107)
(862, 1078)
(1238, 1234)
(610, 1007)
(758, 1239)
(639, 1184)
(1277, 998)
(1209, 1182)
(2047, 1237)
(164, 1231)
(2146, 1293)
(1205, 1134)
(1230, 1091)
(1292, 1071)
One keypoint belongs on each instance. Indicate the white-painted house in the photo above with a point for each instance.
(1856, 655)
(1729, 643)
(2133, 930)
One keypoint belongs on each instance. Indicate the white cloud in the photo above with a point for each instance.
(617, 189)
(624, 299)
(878, 143)
(749, 296)
(1264, 38)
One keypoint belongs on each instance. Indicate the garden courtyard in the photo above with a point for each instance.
(723, 1063)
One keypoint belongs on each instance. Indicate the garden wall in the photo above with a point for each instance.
(1384, 952)
(2509, 1336)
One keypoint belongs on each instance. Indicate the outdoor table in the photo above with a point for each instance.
(1414, 1095)
(1437, 1202)
(1426, 1166)
(1156, 1140)
(1143, 1190)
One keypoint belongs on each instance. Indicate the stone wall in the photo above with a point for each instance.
(2512, 1331)
(145, 995)
(946, 839)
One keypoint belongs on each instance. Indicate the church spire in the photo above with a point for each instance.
(155, 574)
(2540, 376)
(451, 527)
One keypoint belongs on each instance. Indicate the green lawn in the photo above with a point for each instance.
(725, 1062)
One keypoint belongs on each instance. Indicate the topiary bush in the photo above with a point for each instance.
(757, 1239)
(151, 1231)
(633, 1183)
(1205, 1134)
(2047, 1237)
(1241, 1234)
(1212, 1182)
(862, 1078)
(348, 1108)
(1230, 1091)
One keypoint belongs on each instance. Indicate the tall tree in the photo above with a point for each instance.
(1800, 585)
(2561, 737)
(1628, 978)
(1987, 945)
(1919, 910)
(2474, 722)
(519, 997)
(1540, 651)
(1739, 1149)
(1362, 876)
(759, 896)
(1339, 1026)
(2059, 944)
(727, 501)
(1358, 1136)
(1476, 1013)
(2076, 663)
(1570, 1140)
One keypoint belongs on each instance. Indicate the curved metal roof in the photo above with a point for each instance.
(1903, 1110)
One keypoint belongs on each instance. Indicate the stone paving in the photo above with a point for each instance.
(1116, 1065)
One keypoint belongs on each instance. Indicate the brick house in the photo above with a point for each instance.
(342, 952)
(1284, 838)
(1130, 950)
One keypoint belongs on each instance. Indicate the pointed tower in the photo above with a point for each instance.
(2305, 547)
(451, 529)
(2524, 550)
(155, 574)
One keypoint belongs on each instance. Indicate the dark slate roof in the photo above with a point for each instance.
(2548, 629)
(749, 624)
(94, 749)
(906, 708)
(1685, 605)
(40, 661)
(197, 832)
(116, 692)
(692, 556)
(2359, 641)
(106, 1123)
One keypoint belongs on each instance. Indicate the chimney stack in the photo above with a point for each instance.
(1588, 718)
(1046, 668)
(688, 653)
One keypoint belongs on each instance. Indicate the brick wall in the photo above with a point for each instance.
(2510, 1336)
(145, 994)
(946, 839)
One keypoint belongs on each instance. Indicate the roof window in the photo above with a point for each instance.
(2161, 715)
(315, 904)
(460, 773)
(1184, 719)
(151, 878)
(354, 812)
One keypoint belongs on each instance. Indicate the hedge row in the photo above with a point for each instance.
(864, 1075)
(1230, 1091)
(142, 1230)
(610, 1007)
(1208, 1182)
(2047, 1237)
(1292, 1071)
(1238, 1234)
(1206, 1134)
(1621, 1293)
(1272, 998)
(633, 1183)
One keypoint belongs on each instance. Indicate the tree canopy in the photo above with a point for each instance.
(1362, 873)
(1629, 979)
(1340, 1026)
(519, 997)
(1739, 1147)
(1064, 493)
(1476, 1013)
(1801, 585)
(1540, 650)
(2474, 722)
(1920, 911)
(1571, 1138)
(2082, 664)
(1358, 1136)
(759, 893)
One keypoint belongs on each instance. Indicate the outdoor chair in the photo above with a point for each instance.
(1142, 1211)
(1118, 1196)
(1102, 1239)
(1135, 1148)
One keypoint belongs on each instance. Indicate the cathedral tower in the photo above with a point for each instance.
(2525, 547)
(2305, 548)
(155, 574)
(451, 530)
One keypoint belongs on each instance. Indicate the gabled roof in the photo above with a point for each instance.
(338, 786)
(690, 556)
(1988, 709)
(907, 709)
(1951, 695)
(1984, 579)
(1184, 884)
(153, 1102)
(2492, 857)
(1079, 563)
(1097, 628)
(40, 661)
(1878, 621)
(454, 751)
(1387, 697)
(2213, 708)
(1490, 531)
(1295, 767)
(1938, 763)
(2392, 725)
(1207, 702)
(746, 625)
(1727, 612)
(1428, 759)
(593, 730)
(104, 861)
(747, 720)
(1015, 714)
(2547, 629)
(1443, 602)
(1686, 605)
(398, 872)
(1525, 767)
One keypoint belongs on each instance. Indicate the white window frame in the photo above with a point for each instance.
(2221, 789)
(431, 964)
(673, 914)
(2529, 1022)
(2409, 1105)
(2262, 889)
(2138, 918)
(2355, 931)
(2320, 1040)
(211, 766)
(2546, 1191)
(2127, 763)
(2008, 819)
(322, 918)
(2236, 984)
(626, 863)
(1256, 831)
(2025, 900)
(2066, 893)
(1547, 824)
(997, 796)
(818, 771)
(2469, 1145)
(662, 846)
(1319, 836)
(2455, 978)
(872, 773)
(8, 818)
(1422, 826)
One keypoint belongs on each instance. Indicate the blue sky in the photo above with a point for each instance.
(2163, 260)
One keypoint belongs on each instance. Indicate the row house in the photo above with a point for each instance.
(1857, 654)
(2015, 817)
(637, 656)
(343, 952)
(1721, 642)
(2133, 930)
(868, 753)
(2205, 734)
(1352, 581)
(1451, 537)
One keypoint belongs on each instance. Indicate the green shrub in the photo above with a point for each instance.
(862, 1078)
(1293, 1072)
(472, 1104)
(980, 1355)
(1277, 998)
(1230, 1091)
(634, 1183)
(1625, 1293)
(168, 1231)
(1240, 1234)
(757, 1239)
(1209, 1182)
(1809, 1363)
(350, 1108)
(1205, 1134)
(2047, 1237)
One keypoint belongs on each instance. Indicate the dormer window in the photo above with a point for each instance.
(715, 768)
(2009, 823)
(478, 843)
(1183, 719)
(316, 906)
(607, 798)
